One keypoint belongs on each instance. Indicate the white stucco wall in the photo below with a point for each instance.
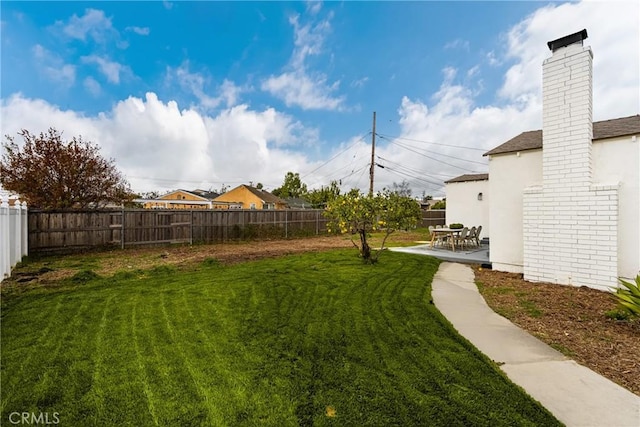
(617, 160)
(464, 207)
(509, 175)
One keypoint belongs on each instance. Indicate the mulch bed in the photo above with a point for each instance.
(571, 319)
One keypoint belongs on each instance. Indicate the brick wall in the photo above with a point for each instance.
(570, 225)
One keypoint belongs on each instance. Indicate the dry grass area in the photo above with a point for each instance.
(571, 319)
(106, 263)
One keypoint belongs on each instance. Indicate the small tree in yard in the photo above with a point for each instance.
(323, 195)
(53, 174)
(358, 214)
(291, 187)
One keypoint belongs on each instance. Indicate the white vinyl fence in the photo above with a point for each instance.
(13, 235)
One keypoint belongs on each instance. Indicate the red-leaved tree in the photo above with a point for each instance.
(50, 173)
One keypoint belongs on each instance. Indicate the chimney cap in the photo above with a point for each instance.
(567, 40)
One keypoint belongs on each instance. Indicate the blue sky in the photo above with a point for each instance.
(204, 94)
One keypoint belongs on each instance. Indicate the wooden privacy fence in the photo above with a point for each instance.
(434, 217)
(76, 230)
(13, 235)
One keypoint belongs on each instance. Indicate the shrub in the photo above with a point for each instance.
(628, 297)
(618, 314)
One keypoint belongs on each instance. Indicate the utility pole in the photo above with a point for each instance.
(373, 155)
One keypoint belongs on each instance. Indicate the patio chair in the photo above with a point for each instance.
(478, 235)
(471, 237)
(461, 239)
(439, 238)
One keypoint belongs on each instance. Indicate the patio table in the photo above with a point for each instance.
(451, 232)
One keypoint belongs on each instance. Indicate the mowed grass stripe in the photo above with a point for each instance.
(141, 364)
(177, 339)
(176, 398)
(18, 358)
(313, 339)
(98, 369)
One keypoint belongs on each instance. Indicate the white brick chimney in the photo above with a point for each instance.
(570, 224)
(567, 118)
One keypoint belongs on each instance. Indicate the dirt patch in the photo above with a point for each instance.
(106, 263)
(571, 319)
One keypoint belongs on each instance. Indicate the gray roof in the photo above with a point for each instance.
(532, 140)
(204, 193)
(264, 195)
(469, 177)
(298, 202)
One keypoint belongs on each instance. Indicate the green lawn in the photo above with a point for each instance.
(313, 339)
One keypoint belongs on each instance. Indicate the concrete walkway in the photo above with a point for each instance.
(576, 395)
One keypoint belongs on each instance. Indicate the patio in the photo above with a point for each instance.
(474, 255)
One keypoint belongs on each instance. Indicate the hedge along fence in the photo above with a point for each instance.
(52, 231)
(13, 235)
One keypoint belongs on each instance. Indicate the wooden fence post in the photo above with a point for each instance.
(191, 229)
(122, 232)
(24, 227)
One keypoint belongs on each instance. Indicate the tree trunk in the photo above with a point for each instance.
(365, 250)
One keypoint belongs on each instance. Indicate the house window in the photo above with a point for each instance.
(252, 206)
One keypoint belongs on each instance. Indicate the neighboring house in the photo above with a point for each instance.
(248, 197)
(565, 200)
(468, 201)
(298, 203)
(428, 204)
(181, 199)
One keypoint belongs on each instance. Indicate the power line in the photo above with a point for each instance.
(432, 158)
(439, 154)
(332, 158)
(431, 142)
(412, 175)
(360, 177)
(415, 178)
(435, 181)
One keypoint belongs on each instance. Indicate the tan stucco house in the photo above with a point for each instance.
(248, 197)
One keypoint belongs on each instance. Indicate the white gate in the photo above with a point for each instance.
(13, 235)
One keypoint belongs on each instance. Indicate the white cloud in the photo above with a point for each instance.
(111, 70)
(93, 24)
(160, 147)
(458, 44)
(360, 82)
(314, 6)
(230, 92)
(54, 67)
(199, 85)
(614, 36)
(492, 59)
(143, 31)
(308, 39)
(298, 86)
(92, 86)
